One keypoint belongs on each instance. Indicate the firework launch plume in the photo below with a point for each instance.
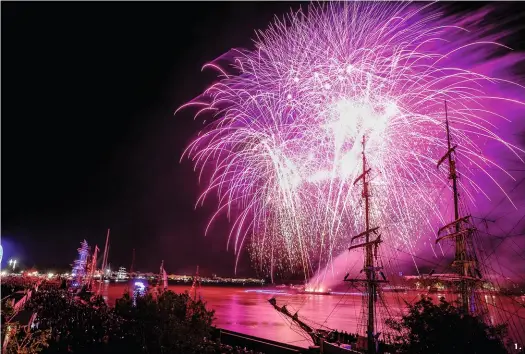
(283, 147)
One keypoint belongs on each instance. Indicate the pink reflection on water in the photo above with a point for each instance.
(247, 310)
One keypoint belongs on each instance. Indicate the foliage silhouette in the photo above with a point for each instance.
(443, 328)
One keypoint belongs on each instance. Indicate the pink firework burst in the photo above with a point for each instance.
(283, 147)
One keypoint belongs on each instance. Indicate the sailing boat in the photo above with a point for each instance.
(164, 276)
(161, 279)
(195, 286)
(92, 268)
(104, 263)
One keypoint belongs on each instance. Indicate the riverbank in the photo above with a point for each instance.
(64, 321)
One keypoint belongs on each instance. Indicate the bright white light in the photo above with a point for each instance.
(12, 262)
(140, 284)
(319, 176)
(391, 109)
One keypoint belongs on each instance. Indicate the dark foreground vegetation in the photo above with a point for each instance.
(443, 329)
(175, 323)
(169, 323)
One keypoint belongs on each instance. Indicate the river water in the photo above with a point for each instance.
(247, 310)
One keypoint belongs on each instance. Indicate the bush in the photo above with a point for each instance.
(24, 341)
(171, 323)
(78, 326)
(429, 328)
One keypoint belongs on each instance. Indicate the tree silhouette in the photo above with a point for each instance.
(443, 328)
(170, 323)
(24, 341)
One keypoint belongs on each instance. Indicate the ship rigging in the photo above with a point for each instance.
(468, 271)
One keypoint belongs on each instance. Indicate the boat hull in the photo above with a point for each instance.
(332, 348)
(314, 292)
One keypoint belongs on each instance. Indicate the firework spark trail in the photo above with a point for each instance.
(283, 147)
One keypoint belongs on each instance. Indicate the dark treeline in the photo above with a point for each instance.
(429, 328)
(167, 323)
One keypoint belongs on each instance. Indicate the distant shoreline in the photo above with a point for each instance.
(190, 282)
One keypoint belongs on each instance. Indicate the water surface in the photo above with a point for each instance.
(247, 310)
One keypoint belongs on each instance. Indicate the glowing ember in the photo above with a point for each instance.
(316, 290)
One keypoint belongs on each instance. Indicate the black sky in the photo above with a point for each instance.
(89, 139)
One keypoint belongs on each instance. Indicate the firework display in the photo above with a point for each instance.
(282, 148)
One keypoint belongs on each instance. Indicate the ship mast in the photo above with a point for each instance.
(465, 262)
(371, 270)
(160, 276)
(315, 335)
(93, 267)
(132, 268)
(104, 262)
(195, 286)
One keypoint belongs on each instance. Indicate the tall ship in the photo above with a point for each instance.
(368, 242)
(466, 276)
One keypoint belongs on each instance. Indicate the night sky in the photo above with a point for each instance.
(89, 139)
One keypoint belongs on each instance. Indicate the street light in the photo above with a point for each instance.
(12, 262)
